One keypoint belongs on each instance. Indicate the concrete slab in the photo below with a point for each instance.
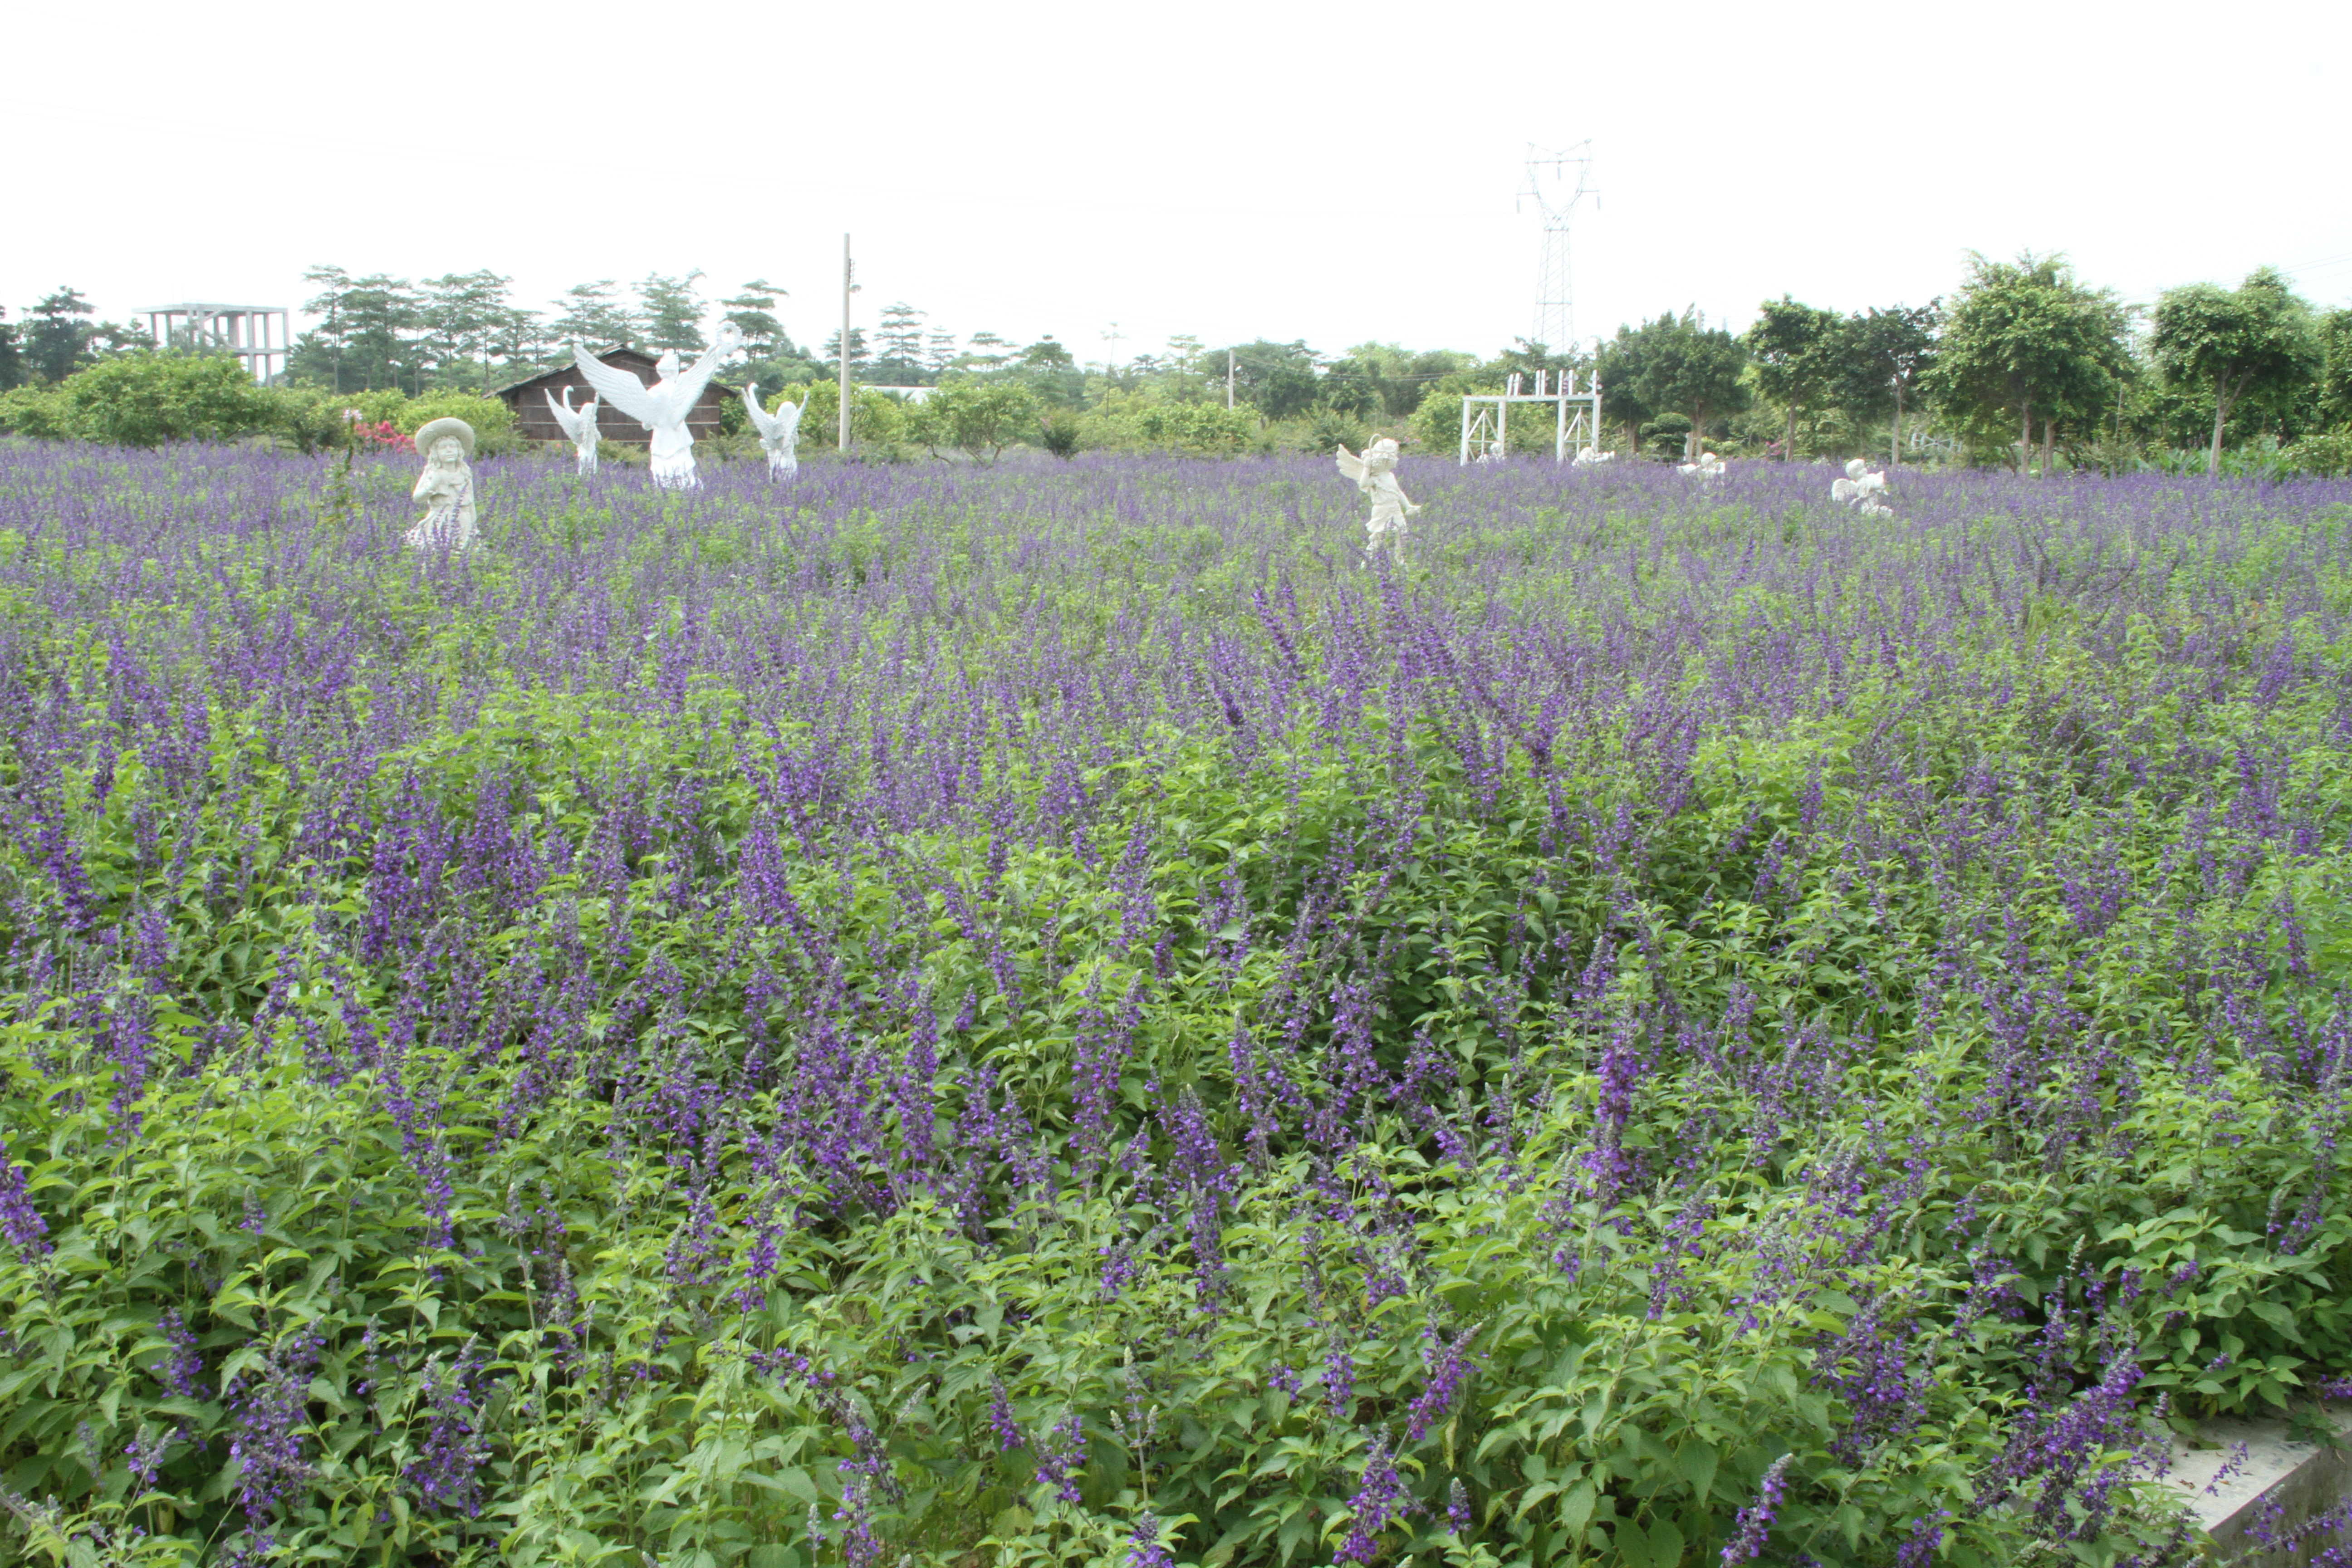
(2246, 1480)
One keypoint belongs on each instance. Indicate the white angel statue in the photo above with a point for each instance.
(446, 489)
(1375, 475)
(780, 432)
(662, 408)
(579, 425)
(1861, 489)
(1586, 456)
(1708, 467)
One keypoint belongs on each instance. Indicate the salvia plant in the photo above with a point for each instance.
(1050, 1014)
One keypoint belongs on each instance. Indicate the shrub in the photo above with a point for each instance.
(35, 411)
(978, 417)
(1058, 433)
(874, 417)
(2329, 455)
(145, 400)
(493, 421)
(1126, 423)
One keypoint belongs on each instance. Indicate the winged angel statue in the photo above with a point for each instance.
(1861, 489)
(662, 408)
(579, 426)
(1375, 475)
(780, 432)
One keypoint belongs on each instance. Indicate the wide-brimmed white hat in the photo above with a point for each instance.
(436, 428)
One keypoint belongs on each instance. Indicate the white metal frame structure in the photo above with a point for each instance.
(240, 329)
(1556, 182)
(1486, 417)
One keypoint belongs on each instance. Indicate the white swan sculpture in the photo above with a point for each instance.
(780, 432)
(579, 425)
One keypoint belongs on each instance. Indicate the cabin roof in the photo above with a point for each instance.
(619, 356)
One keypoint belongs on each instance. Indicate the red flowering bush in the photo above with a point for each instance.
(382, 435)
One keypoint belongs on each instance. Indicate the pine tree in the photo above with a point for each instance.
(673, 312)
(590, 316)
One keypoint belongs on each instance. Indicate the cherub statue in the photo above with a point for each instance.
(1375, 475)
(579, 425)
(780, 432)
(1586, 456)
(1708, 467)
(446, 488)
(663, 406)
(1861, 489)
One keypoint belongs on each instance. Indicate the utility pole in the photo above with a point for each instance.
(847, 288)
(1229, 381)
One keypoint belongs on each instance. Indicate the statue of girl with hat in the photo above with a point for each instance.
(446, 488)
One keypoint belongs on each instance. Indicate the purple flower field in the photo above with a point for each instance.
(1049, 1014)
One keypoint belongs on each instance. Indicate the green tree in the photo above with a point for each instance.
(672, 308)
(1682, 366)
(979, 418)
(1388, 380)
(1278, 380)
(1047, 354)
(2027, 340)
(334, 285)
(1621, 367)
(379, 315)
(1795, 348)
(2335, 377)
(2257, 343)
(753, 311)
(900, 336)
(464, 316)
(591, 315)
(1051, 372)
(984, 352)
(939, 353)
(12, 358)
(56, 338)
(1883, 357)
(860, 356)
(1352, 383)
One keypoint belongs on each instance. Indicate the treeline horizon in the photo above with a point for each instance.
(2023, 362)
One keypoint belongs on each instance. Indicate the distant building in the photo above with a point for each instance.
(528, 398)
(245, 331)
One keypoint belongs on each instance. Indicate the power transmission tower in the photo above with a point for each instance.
(1556, 182)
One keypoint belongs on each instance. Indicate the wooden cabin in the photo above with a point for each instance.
(529, 396)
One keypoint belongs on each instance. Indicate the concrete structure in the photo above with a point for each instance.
(1576, 416)
(245, 331)
(2253, 1486)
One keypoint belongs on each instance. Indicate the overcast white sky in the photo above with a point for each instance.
(1228, 169)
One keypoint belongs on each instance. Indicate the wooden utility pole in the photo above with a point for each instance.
(847, 288)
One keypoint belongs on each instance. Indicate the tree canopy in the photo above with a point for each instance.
(1678, 364)
(1795, 348)
(2257, 342)
(2027, 340)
